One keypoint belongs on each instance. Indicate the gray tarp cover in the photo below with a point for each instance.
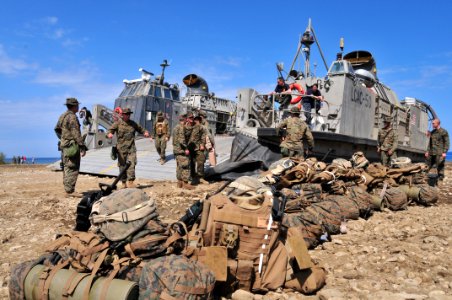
(248, 157)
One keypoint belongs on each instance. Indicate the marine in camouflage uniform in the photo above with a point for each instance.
(197, 147)
(67, 130)
(387, 142)
(161, 134)
(437, 148)
(296, 131)
(125, 130)
(181, 154)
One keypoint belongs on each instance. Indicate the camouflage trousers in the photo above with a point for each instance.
(160, 145)
(182, 167)
(71, 166)
(286, 152)
(436, 161)
(197, 161)
(386, 158)
(123, 157)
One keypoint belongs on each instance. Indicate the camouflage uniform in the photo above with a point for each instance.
(197, 156)
(127, 150)
(296, 130)
(387, 140)
(438, 144)
(67, 130)
(179, 147)
(175, 277)
(161, 135)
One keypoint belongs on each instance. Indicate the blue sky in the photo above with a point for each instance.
(50, 50)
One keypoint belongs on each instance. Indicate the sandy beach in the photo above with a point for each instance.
(392, 255)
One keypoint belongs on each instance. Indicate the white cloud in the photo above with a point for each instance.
(69, 77)
(50, 20)
(12, 66)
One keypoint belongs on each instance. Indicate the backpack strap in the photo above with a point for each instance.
(46, 278)
(72, 284)
(96, 267)
(117, 264)
(136, 212)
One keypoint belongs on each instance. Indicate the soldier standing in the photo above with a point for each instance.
(181, 154)
(71, 145)
(161, 135)
(196, 145)
(296, 130)
(437, 148)
(387, 142)
(125, 130)
(210, 141)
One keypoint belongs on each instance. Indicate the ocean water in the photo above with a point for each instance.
(37, 160)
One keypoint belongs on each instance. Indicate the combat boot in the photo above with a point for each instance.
(123, 185)
(203, 181)
(180, 184)
(131, 184)
(188, 186)
(74, 195)
(162, 161)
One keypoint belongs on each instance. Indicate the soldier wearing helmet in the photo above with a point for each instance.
(296, 131)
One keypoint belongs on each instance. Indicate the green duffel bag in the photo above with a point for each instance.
(72, 150)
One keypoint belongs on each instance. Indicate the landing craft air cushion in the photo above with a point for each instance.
(146, 96)
(351, 115)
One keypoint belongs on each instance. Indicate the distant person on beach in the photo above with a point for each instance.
(125, 130)
(71, 145)
(14, 160)
(437, 148)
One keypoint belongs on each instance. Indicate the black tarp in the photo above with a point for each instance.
(248, 157)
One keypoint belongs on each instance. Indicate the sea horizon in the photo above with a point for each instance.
(50, 160)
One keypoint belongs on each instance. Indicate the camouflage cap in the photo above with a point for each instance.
(202, 113)
(71, 101)
(295, 110)
(387, 119)
(127, 111)
(160, 114)
(190, 115)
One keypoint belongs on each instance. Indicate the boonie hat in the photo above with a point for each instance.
(295, 110)
(127, 111)
(71, 101)
(159, 114)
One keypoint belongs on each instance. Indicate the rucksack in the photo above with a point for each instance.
(159, 128)
(122, 213)
(175, 277)
(392, 198)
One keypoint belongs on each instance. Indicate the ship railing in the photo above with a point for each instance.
(265, 110)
